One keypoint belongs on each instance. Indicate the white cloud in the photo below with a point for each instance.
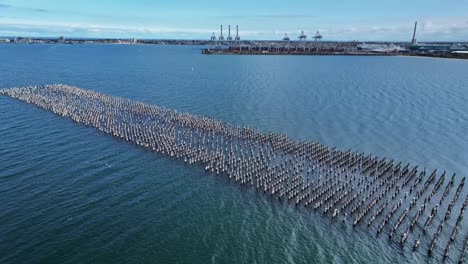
(34, 29)
(431, 29)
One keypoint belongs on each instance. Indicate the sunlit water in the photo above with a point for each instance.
(70, 194)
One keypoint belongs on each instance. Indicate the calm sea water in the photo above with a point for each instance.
(69, 194)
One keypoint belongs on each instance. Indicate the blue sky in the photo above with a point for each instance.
(335, 19)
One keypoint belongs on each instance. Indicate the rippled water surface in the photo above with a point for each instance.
(70, 194)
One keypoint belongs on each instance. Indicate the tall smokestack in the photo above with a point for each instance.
(413, 41)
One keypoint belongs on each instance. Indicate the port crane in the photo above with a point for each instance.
(229, 38)
(302, 36)
(221, 37)
(237, 33)
(317, 36)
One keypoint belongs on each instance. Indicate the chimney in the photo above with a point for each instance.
(413, 41)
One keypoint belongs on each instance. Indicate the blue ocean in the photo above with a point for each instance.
(71, 194)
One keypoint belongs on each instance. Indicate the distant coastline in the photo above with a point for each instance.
(445, 55)
(62, 40)
(451, 50)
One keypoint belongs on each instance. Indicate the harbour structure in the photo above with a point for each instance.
(237, 33)
(413, 40)
(221, 37)
(433, 47)
(301, 45)
(317, 36)
(229, 37)
(407, 205)
(302, 36)
(352, 48)
(380, 48)
(319, 47)
(213, 37)
(286, 42)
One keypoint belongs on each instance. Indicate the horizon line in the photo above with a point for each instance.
(208, 40)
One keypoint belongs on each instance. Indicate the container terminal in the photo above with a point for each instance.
(317, 46)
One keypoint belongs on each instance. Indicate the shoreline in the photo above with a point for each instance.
(462, 56)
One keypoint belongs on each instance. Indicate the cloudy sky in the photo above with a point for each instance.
(442, 20)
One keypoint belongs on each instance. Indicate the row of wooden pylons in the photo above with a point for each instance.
(399, 198)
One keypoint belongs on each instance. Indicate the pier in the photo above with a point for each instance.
(328, 49)
(404, 204)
